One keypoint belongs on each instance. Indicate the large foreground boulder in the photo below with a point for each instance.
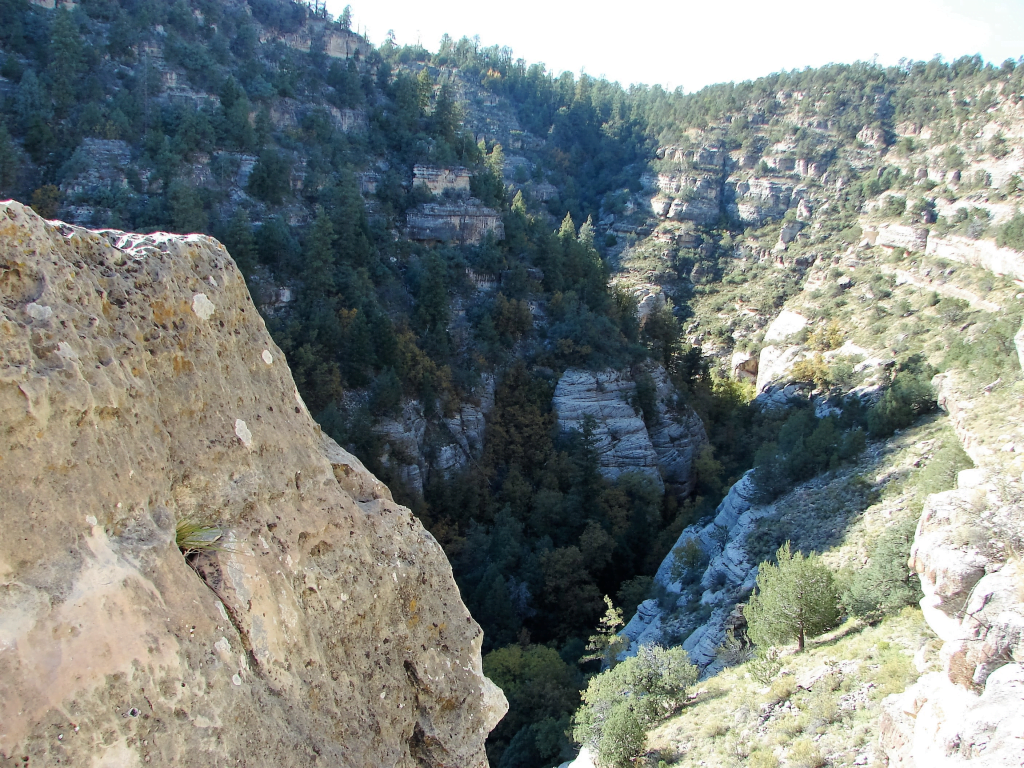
(139, 388)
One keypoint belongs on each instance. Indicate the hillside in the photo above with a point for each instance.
(570, 325)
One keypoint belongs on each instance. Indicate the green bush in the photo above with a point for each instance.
(621, 703)
(886, 584)
(910, 395)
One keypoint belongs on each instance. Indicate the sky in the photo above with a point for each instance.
(691, 43)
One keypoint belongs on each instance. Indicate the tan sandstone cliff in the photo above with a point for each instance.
(139, 387)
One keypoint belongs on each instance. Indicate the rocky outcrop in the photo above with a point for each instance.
(727, 579)
(695, 197)
(139, 389)
(744, 366)
(774, 365)
(897, 236)
(415, 446)
(979, 253)
(756, 200)
(971, 712)
(463, 221)
(663, 450)
(441, 180)
(335, 42)
(785, 325)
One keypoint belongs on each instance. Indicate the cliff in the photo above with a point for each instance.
(664, 449)
(967, 554)
(462, 221)
(139, 389)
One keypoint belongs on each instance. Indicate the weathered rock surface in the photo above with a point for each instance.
(139, 388)
(337, 43)
(980, 253)
(743, 366)
(414, 446)
(664, 451)
(972, 712)
(441, 180)
(785, 325)
(728, 578)
(464, 221)
(756, 200)
(898, 236)
(774, 363)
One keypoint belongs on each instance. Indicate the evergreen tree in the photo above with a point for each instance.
(8, 160)
(65, 61)
(319, 266)
(795, 599)
(606, 644)
(240, 242)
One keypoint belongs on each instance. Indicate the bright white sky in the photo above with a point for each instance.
(693, 43)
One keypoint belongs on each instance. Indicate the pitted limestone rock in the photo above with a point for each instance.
(325, 628)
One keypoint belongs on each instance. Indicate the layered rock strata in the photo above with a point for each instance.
(441, 180)
(463, 221)
(728, 578)
(139, 389)
(663, 450)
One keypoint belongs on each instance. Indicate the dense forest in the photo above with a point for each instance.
(537, 536)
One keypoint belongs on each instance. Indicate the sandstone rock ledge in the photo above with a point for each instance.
(139, 387)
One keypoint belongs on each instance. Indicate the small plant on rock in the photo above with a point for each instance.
(192, 537)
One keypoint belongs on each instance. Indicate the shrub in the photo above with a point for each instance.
(619, 704)
(622, 738)
(762, 758)
(688, 562)
(805, 754)
(765, 665)
(886, 584)
(909, 396)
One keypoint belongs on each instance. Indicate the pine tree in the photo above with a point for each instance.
(319, 254)
(606, 645)
(240, 242)
(8, 160)
(795, 599)
(65, 60)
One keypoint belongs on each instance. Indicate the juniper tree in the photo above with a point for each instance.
(795, 599)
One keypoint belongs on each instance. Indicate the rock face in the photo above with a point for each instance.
(785, 325)
(138, 389)
(980, 253)
(972, 712)
(441, 180)
(665, 450)
(728, 578)
(337, 43)
(899, 236)
(756, 200)
(415, 447)
(465, 221)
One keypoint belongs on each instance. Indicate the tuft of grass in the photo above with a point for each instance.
(805, 754)
(192, 537)
(762, 758)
